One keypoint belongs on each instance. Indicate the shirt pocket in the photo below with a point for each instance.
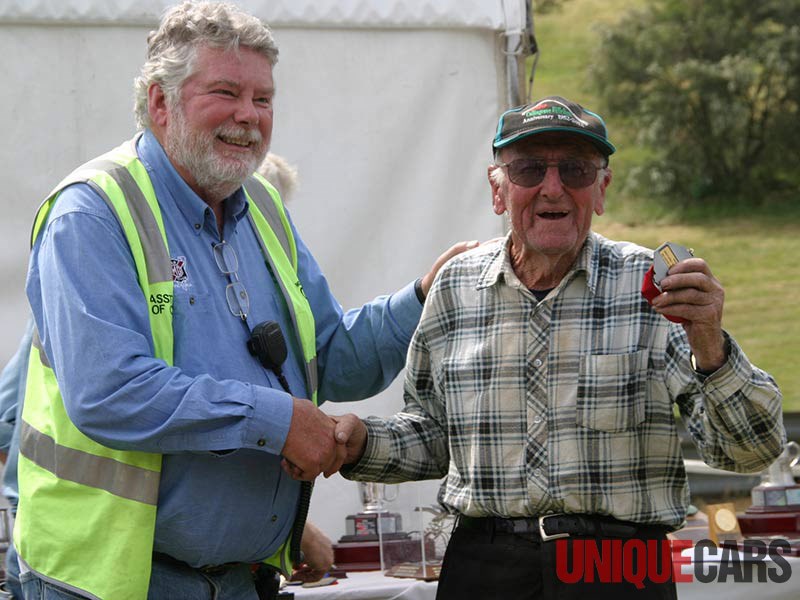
(190, 305)
(612, 391)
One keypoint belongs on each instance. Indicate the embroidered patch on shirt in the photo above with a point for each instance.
(180, 277)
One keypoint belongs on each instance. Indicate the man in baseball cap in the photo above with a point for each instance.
(541, 386)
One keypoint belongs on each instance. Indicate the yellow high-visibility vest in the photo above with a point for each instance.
(87, 513)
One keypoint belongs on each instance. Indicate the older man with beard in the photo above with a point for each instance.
(184, 335)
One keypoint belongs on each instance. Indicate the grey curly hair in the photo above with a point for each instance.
(172, 48)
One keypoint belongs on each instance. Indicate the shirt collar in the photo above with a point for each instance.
(499, 266)
(193, 208)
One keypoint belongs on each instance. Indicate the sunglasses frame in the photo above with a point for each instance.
(554, 163)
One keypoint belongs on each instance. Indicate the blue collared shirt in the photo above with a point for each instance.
(93, 321)
(12, 396)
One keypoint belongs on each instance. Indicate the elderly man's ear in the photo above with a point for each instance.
(498, 201)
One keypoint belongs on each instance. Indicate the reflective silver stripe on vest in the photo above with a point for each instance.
(37, 343)
(79, 175)
(266, 205)
(311, 375)
(157, 260)
(310, 366)
(259, 194)
(159, 265)
(120, 479)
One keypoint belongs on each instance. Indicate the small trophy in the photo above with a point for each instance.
(777, 487)
(375, 538)
(373, 522)
(776, 500)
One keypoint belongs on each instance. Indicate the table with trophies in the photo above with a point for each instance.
(772, 518)
(375, 538)
(384, 560)
(382, 556)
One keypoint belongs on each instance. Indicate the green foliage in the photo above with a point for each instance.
(712, 91)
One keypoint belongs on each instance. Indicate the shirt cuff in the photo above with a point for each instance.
(406, 309)
(731, 377)
(376, 455)
(707, 373)
(270, 420)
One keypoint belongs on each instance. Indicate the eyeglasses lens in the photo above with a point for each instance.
(226, 258)
(238, 300)
(235, 292)
(530, 172)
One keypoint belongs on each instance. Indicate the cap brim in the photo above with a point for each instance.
(602, 144)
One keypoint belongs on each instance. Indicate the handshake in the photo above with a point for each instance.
(319, 443)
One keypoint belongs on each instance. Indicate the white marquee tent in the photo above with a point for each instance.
(386, 107)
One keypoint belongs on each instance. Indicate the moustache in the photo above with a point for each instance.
(239, 135)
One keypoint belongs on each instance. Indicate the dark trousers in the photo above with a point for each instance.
(488, 565)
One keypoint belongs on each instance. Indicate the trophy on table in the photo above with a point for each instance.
(373, 522)
(375, 538)
(776, 500)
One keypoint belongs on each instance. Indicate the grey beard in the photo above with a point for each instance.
(194, 151)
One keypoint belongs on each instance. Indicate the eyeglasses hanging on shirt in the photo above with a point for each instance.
(269, 346)
(235, 292)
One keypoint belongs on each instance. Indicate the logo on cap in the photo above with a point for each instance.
(549, 109)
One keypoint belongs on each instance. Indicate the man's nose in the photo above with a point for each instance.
(246, 112)
(551, 184)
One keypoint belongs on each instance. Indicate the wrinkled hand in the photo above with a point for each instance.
(310, 447)
(351, 433)
(427, 279)
(692, 292)
(317, 553)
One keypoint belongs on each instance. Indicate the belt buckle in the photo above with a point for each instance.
(546, 537)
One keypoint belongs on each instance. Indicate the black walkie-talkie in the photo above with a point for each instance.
(268, 345)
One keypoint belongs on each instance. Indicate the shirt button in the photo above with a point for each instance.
(197, 226)
(261, 442)
(537, 419)
(274, 518)
(537, 363)
(191, 300)
(537, 472)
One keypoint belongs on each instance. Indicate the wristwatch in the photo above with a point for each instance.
(418, 291)
(726, 349)
(702, 372)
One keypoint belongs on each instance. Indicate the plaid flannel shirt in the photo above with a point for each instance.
(564, 405)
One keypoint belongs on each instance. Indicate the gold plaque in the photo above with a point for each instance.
(723, 526)
(426, 572)
(725, 520)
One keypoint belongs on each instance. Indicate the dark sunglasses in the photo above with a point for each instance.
(529, 172)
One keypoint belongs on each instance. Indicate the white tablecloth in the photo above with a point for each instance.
(369, 585)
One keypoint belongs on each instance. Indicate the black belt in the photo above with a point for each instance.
(551, 527)
(207, 569)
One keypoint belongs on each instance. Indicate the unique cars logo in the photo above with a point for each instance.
(638, 561)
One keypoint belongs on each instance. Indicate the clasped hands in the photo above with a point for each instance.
(318, 443)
